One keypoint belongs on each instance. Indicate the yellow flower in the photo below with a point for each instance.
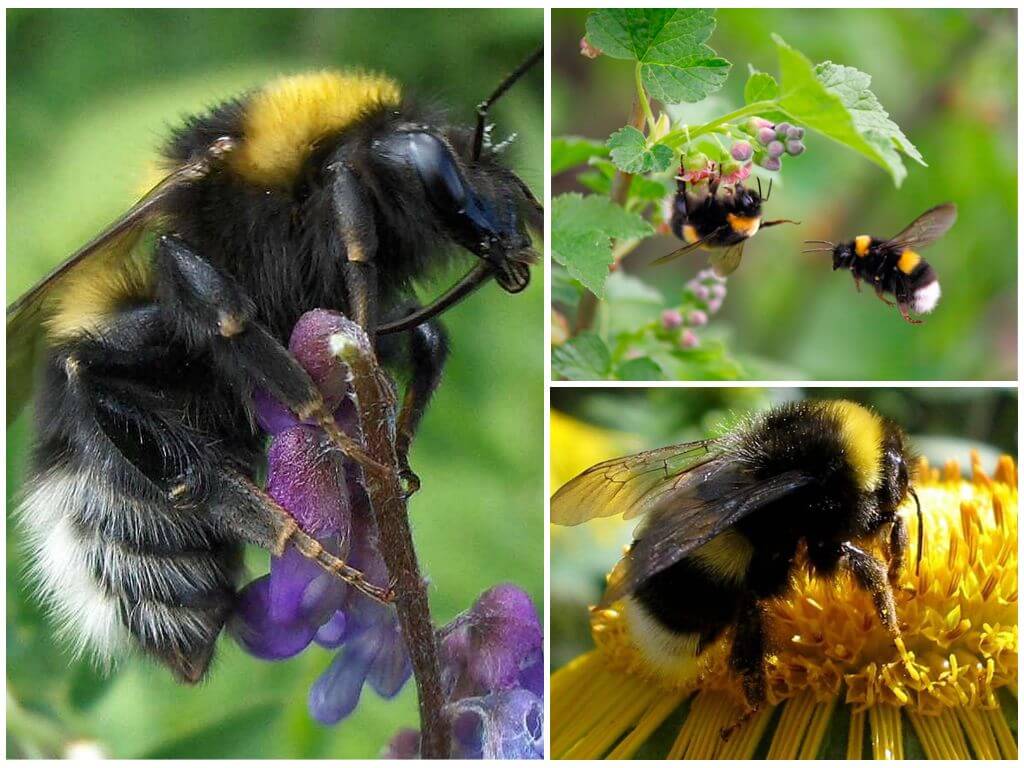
(836, 676)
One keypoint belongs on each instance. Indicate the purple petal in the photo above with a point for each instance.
(392, 668)
(290, 576)
(271, 415)
(404, 745)
(306, 478)
(509, 725)
(332, 633)
(255, 631)
(310, 344)
(487, 648)
(336, 692)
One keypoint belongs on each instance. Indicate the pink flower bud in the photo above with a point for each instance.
(588, 50)
(671, 318)
(697, 318)
(688, 339)
(742, 151)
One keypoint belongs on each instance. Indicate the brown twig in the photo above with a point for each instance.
(375, 398)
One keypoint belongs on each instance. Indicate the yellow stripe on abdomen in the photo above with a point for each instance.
(861, 244)
(744, 225)
(908, 261)
(690, 233)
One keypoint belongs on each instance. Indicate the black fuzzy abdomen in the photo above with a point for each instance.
(686, 599)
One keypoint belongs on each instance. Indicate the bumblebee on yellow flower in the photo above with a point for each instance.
(780, 599)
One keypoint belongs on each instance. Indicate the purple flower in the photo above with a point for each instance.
(492, 660)
(775, 149)
(299, 603)
(795, 147)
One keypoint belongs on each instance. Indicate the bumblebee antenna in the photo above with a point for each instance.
(830, 246)
(770, 182)
(920, 531)
(486, 104)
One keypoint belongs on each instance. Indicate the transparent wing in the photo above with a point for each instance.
(684, 520)
(688, 248)
(631, 485)
(726, 261)
(927, 228)
(26, 315)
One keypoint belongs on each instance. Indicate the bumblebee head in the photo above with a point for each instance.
(842, 256)
(479, 205)
(747, 202)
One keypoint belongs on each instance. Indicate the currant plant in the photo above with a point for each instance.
(610, 325)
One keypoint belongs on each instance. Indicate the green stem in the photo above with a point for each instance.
(676, 139)
(641, 95)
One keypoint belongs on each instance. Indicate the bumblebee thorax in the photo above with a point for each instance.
(283, 121)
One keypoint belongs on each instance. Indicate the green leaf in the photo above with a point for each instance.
(569, 151)
(582, 230)
(640, 369)
(760, 87)
(835, 102)
(583, 358)
(631, 154)
(675, 64)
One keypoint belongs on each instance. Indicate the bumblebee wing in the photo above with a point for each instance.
(26, 315)
(685, 520)
(688, 248)
(725, 262)
(927, 228)
(631, 485)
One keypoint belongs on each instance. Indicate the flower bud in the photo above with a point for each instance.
(775, 149)
(771, 164)
(695, 161)
(688, 339)
(697, 318)
(717, 290)
(588, 50)
(714, 305)
(765, 135)
(782, 128)
(661, 127)
(795, 132)
(742, 151)
(701, 292)
(754, 124)
(795, 148)
(671, 318)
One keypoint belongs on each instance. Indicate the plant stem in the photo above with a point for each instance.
(675, 139)
(641, 96)
(376, 406)
(621, 183)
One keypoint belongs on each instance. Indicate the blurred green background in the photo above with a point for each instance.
(90, 95)
(949, 79)
(595, 424)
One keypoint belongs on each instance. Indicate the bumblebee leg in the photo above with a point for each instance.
(424, 351)
(898, 541)
(354, 218)
(747, 659)
(249, 513)
(872, 577)
(905, 312)
(856, 282)
(211, 312)
(879, 292)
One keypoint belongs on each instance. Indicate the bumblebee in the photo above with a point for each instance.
(894, 266)
(323, 190)
(720, 219)
(724, 519)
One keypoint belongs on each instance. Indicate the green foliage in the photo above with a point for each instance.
(675, 64)
(103, 86)
(631, 153)
(582, 232)
(835, 101)
(832, 100)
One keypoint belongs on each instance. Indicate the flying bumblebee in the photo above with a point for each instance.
(324, 190)
(894, 266)
(720, 219)
(724, 519)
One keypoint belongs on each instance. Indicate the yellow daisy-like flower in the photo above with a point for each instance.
(835, 675)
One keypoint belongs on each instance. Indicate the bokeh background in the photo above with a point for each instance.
(90, 95)
(949, 79)
(592, 425)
